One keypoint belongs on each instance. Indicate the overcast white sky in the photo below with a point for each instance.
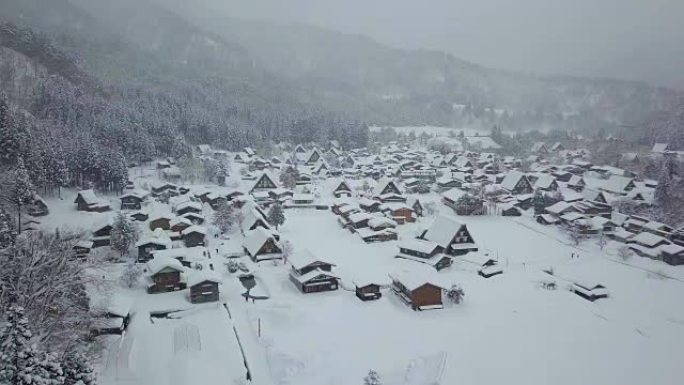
(633, 39)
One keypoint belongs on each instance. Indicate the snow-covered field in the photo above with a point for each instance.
(508, 329)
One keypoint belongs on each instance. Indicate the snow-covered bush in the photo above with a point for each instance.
(131, 274)
(455, 294)
(372, 378)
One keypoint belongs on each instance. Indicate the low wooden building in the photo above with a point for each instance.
(367, 291)
(82, 248)
(164, 275)
(590, 292)
(160, 222)
(204, 286)
(672, 254)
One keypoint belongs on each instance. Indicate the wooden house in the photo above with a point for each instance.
(86, 200)
(160, 222)
(387, 191)
(369, 205)
(423, 251)
(417, 292)
(452, 235)
(194, 236)
(672, 254)
(264, 182)
(164, 188)
(152, 242)
(399, 212)
(342, 189)
(82, 248)
(164, 275)
(133, 200)
(188, 206)
(261, 244)
(359, 220)
(139, 216)
(114, 318)
(416, 206)
(102, 236)
(545, 182)
(38, 207)
(204, 286)
(179, 224)
(516, 183)
(370, 235)
(311, 274)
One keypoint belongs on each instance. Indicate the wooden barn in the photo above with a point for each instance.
(194, 236)
(420, 293)
(86, 200)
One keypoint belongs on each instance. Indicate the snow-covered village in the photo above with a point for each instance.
(176, 209)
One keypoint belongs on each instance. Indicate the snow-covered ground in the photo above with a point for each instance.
(508, 329)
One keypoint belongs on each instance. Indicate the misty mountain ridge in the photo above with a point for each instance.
(167, 44)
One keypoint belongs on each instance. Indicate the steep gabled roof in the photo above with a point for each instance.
(443, 230)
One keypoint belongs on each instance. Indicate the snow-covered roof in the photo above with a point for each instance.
(672, 249)
(184, 253)
(419, 245)
(199, 276)
(195, 229)
(189, 204)
(659, 148)
(155, 265)
(417, 278)
(303, 278)
(157, 237)
(359, 217)
(256, 238)
(511, 179)
(89, 196)
(443, 230)
(544, 181)
(381, 221)
(453, 194)
(617, 184)
(648, 239)
(304, 258)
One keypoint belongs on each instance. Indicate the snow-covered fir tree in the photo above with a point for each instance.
(124, 234)
(21, 362)
(224, 217)
(276, 215)
(20, 190)
(77, 369)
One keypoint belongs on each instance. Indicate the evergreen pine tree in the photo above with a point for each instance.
(123, 234)
(20, 191)
(77, 369)
(21, 363)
